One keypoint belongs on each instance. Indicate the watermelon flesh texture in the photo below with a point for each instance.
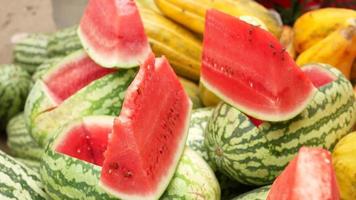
(86, 141)
(317, 75)
(73, 75)
(248, 68)
(310, 175)
(149, 135)
(112, 33)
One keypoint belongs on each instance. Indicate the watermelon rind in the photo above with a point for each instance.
(65, 177)
(18, 182)
(193, 179)
(256, 155)
(103, 96)
(19, 140)
(198, 122)
(64, 42)
(31, 51)
(15, 85)
(256, 194)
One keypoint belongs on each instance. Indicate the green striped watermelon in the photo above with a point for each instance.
(101, 97)
(31, 164)
(19, 140)
(18, 182)
(198, 121)
(31, 51)
(67, 177)
(257, 154)
(63, 79)
(15, 84)
(193, 179)
(256, 194)
(64, 42)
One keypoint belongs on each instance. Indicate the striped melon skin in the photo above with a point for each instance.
(193, 179)
(18, 181)
(103, 96)
(64, 42)
(31, 164)
(19, 140)
(256, 194)
(31, 51)
(69, 178)
(15, 84)
(198, 121)
(256, 156)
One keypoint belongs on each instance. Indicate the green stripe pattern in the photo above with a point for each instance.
(193, 179)
(103, 96)
(31, 51)
(64, 42)
(69, 178)
(15, 84)
(19, 140)
(18, 182)
(256, 155)
(31, 164)
(256, 194)
(198, 122)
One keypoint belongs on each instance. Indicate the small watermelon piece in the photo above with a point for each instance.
(149, 135)
(112, 33)
(319, 76)
(87, 139)
(248, 68)
(310, 175)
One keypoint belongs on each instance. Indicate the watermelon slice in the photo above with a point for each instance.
(72, 74)
(86, 140)
(149, 135)
(62, 81)
(309, 176)
(319, 76)
(248, 68)
(112, 33)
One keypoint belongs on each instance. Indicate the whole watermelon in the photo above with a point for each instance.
(15, 84)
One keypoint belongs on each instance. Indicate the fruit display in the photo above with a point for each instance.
(183, 99)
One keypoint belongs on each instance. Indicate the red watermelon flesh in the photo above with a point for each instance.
(86, 140)
(319, 76)
(112, 33)
(310, 175)
(248, 68)
(74, 73)
(149, 135)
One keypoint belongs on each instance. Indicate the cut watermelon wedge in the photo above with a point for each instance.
(309, 176)
(112, 33)
(318, 75)
(149, 135)
(72, 74)
(87, 139)
(247, 67)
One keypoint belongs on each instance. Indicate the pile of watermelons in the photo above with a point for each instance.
(97, 111)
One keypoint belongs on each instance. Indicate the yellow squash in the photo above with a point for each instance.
(191, 13)
(207, 97)
(287, 40)
(337, 49)
(181, 47)
(315, 25)
(192, 90)
(344, 161)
